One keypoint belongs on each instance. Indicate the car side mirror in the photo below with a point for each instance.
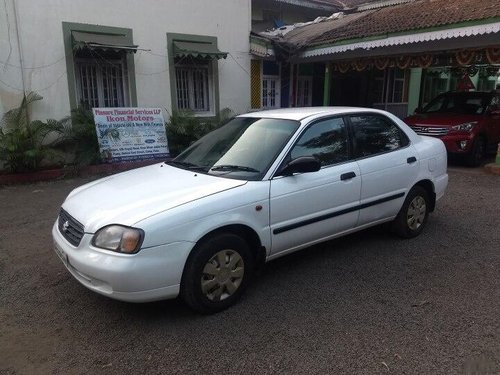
(302, 164)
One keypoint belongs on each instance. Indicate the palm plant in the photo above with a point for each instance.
(80, 137)
(24, 144)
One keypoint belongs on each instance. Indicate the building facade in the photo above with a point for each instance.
(173, 55)
(392, 55)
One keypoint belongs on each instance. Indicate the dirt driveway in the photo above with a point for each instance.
(365, 304)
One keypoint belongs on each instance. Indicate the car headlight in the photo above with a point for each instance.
(465, 127)
(119, 238)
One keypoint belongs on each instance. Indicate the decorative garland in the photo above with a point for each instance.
(360, 65)
(343, 66)
(381, 63)
(472, 70)
(492, 70)
(403, 62)
(465, 57)
(425, 61)
(493, 55)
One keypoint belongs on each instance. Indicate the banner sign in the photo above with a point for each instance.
(130, 134)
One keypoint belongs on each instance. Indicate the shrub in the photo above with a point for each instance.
(80, 137)
(183, 128)
(24, 144)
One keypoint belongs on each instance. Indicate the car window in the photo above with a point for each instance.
(326, 140)
(435, 105)
(375, 134)
(244, 148)
(463, 103)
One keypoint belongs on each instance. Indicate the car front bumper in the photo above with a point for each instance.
(458, 143)
(151, 274)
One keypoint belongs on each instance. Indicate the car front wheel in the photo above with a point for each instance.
(413, 215)
(217, 273)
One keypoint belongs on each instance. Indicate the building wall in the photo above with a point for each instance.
(43, 57)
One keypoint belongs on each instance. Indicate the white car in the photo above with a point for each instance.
(262, 186)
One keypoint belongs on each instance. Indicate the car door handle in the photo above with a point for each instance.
(411, 159)
(347, 176)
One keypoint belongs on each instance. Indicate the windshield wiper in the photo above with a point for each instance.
(187, 165)
(232, 168)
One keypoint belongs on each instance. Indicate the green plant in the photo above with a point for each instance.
(24, 144)
(184, 128)
(80, 137)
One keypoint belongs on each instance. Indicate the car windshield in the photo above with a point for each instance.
(460, 103)
(244, 148)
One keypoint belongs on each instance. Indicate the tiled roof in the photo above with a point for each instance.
(346, 4)
(301, 37)
(419, 14)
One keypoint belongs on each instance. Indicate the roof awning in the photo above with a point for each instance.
(102, 41)
(198, 49)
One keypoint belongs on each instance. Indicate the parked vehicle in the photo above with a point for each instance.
(262, 186)
(467, 122)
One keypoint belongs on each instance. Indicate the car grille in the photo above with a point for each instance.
(429, 130)
(70, 228)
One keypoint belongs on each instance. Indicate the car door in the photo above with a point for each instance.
(387, 162)
(307, 207)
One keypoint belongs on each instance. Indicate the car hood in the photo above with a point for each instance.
(440, 119)
(129, 197)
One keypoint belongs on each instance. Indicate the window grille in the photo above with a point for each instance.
(100, 84)
(193, 88)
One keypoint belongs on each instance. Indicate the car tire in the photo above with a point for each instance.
(217, 273)
(476, 155)
(413, 215)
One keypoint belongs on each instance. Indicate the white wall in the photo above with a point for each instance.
(42, 49)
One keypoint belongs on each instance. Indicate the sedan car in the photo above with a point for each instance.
(264, 185)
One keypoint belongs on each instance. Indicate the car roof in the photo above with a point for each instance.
(301, 113)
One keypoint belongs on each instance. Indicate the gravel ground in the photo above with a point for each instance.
(365, 304)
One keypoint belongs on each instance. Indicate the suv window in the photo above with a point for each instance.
(326, 140)
(464, 103)
(375, 134)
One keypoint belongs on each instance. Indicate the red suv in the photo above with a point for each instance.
(467, 122)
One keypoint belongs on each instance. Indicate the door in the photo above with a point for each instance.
(304, 91)
(308, 207)
(271, 92)
(388, 165)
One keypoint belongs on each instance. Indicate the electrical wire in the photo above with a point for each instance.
(33, 67)
(36, 90)
(8, 34)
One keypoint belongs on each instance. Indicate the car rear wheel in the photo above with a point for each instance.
(217, 273)
(413, 215)
(476, 155)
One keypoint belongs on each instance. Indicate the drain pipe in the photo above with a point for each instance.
(21, 60)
